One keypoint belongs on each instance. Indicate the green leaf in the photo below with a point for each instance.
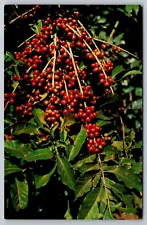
(82, 65)
(102, 116)
(137, 167)
(39, 154)
(16, 149)
(9, 55)
(39, 116)
(86, 159)
(118, 69)
(79, 141)
(89, 207)
(15, 85)
(88, 167)
(53, 129)
(39, 26)
(102, 20)
(132, 72)
(118, 189)
(63, 135)
(102, 35)
(10, 72)
(108, 215)
(42, 180)
(67, 215)
(65, 171)
(11, 168)
(128, 90)
(29, 129)
(137, 104)
(42, 97)
(118, 39)
(138, 92)
(132, 135)
(118, 145)
(102, 123)
(19, 194)
(130, 179)
(83, 184)
(96, 179)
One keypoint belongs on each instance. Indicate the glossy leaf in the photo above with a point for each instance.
(117, 70)
(16, 149)
(65, 171)
(132, 72)
(85, 159)
(96, 179)
(102, 123)
(68, 215)
(83, 184)
(89, 207)
(130, 179)
(19, 194)
(118, 145)
(42, 180)
(79, 141)
(11, 168)
(88, 167)
(39, 116)
(39, 154)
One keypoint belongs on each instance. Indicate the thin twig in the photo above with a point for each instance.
(93, 53)
(47, 64)
(20, 16)
(113, 31)
(89, 35)
(26, 40)
(122, 49)
(76, 73)
(66, 87)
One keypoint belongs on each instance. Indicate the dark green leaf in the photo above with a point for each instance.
(53, 129)
(79, 141)
(11, 168)
(117, 70)
(86, 159)
(130, 179)
(88, 167)
(132, 72)
(19, 194)
(39, 116)
(83, 184)
(138, 92)
(65, 171)
(16, 149)
(89, 207)
(39, 154)
(137, 104)
(102, 123)
(42, 180)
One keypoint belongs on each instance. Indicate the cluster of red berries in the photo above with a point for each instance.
(95, 143)
(53, 57)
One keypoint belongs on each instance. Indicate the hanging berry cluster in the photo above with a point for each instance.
(52, 75)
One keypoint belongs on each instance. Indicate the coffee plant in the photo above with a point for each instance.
(73, 112)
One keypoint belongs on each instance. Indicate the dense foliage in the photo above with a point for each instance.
(73, 112)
